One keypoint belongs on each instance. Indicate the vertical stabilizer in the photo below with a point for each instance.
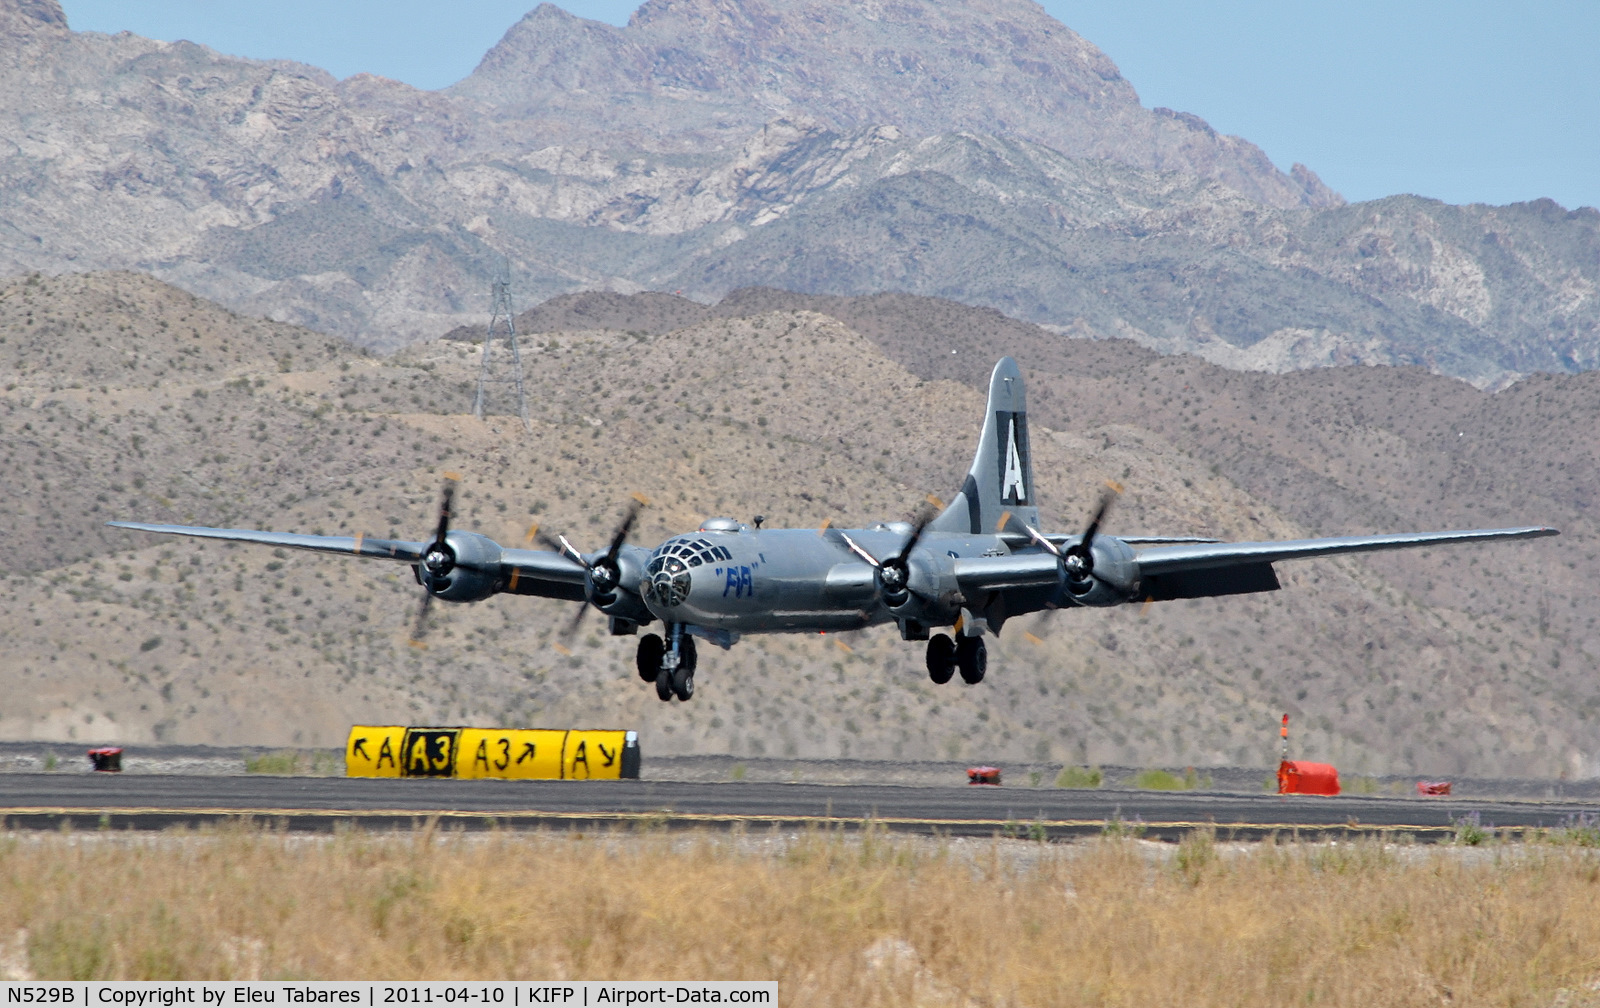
(1001, 479)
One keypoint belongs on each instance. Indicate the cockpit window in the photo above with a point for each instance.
(694, 552)
(666, 580)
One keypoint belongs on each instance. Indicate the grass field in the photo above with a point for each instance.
(836, 919)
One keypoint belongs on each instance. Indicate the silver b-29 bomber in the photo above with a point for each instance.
(969, 566)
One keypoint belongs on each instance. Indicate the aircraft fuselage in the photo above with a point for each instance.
(742, 579)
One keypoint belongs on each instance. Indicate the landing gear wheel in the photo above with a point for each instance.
(683, 682)
(683, 677)
(972, 658)
(664, 685)
(648, 659)
(941, 658)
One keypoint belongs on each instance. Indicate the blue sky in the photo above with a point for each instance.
(1462, 100)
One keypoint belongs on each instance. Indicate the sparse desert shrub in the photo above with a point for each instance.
(298, 762)
(1580, 830)
(282, 762)
(1162, 780)
(1469, 830)
(1118, 828)
(1361, 785)
(1079, 777)
(1196, 855)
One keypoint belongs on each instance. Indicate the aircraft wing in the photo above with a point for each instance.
(538, 572)
(1195, 568)
(362, 546)
(527, 572)
(1003, 573)
(1204, 570)
(1202, 556)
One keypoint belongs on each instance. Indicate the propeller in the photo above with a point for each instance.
(604, 573)
(894, 573)
(1078, 559)
(438, 559)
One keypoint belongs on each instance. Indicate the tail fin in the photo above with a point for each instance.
(1000, 482)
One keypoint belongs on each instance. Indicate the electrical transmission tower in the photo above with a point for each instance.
(502, 327)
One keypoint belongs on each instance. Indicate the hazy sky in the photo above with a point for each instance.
(1463, 100)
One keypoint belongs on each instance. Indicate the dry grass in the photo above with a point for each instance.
(834, 919)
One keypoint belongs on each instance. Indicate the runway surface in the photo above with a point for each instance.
(91, 801)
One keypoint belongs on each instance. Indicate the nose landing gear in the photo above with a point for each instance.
(668, 663)
(651, 650)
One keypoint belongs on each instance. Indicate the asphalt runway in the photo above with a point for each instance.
(101, 801)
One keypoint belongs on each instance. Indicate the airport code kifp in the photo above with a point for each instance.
(478, 753)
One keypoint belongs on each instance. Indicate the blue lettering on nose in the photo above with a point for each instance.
(738, 581)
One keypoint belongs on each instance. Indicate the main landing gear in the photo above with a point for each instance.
(668, 663)
(968, 655)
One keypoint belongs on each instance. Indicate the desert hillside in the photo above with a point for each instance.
(145, 403)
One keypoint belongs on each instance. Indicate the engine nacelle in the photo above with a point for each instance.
(475, 573)
(1115, 577)
(933, 595)
(622, 598)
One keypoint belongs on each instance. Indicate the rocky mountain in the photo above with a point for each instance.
(687, 74)
(123, 397)
(977, 152)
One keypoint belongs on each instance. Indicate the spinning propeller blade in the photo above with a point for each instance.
(603, 571)
(418, 628)
(437, 556)
(445, 502)
(1079, 558)
(894, 573)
